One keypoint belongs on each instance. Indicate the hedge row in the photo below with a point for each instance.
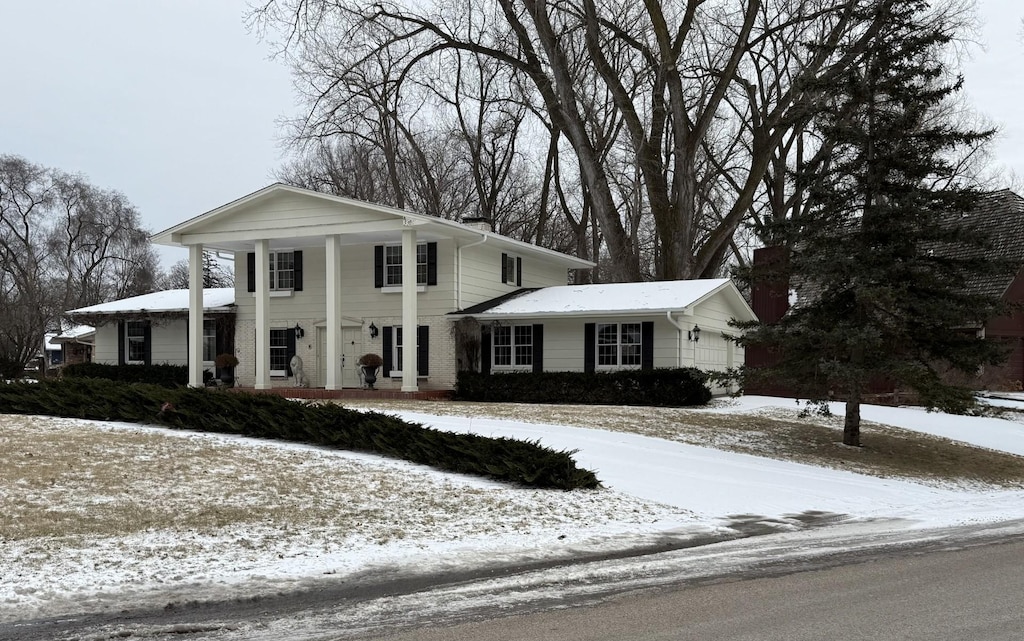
(268, 416)
(165, 375)
(655, 387)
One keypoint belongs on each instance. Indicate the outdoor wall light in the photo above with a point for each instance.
(373, 331)
(299, 333)
(694, 334)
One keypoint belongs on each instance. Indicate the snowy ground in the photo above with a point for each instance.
(654, 488)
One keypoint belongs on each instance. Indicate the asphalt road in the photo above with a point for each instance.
(974, 594)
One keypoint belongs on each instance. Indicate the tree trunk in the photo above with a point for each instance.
(851, 426)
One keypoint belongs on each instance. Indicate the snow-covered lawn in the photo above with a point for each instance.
(107, 516)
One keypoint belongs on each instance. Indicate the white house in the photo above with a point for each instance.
(324, 278)
(153, 328)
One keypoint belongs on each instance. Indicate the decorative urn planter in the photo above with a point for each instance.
(369, 364)
(226, 363)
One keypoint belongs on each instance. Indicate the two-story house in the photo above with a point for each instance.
(329, 279)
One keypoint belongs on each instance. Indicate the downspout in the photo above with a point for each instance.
(458, 271)
(679, 339)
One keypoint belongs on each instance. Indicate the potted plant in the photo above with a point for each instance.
(226, 363)
(369, 364)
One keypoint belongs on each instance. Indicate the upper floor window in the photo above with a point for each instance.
(285, 271)
(393, 265)
(388, 265)
(511, 270)
(618, 344)
(282, 270)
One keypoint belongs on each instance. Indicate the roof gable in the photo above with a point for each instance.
(294, 218)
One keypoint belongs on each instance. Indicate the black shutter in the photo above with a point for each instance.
(485, 349)
(289, 350)
(250, 271)
(378, 272)
(422, 350)
(519, 271)
(538, 348)
(387, 343)
(589, 347)
(147, 344)
(431, 263)
(504, 268)
(297, 265)
(647, 345)
(122, 338)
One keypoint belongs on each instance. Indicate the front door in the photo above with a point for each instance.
(351, 350)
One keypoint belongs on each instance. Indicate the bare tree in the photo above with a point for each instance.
(63, 244)
(670, 112)
(214, 274)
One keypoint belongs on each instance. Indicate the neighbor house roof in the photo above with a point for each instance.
(1000, 215)
(609, 299)
(75, 334)
(171, 301)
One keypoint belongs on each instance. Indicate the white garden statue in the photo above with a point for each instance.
(299, 377)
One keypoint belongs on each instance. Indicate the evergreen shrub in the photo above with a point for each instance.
(163, 374)
(654, 387)
(269, 416)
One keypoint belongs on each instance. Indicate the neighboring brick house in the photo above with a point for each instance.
(1000, 214)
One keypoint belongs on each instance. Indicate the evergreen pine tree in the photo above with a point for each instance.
(883, 254)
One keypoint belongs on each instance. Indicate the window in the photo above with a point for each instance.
(209, 339)
(393, 265)
(393, 349)
(285, 272)
(618, 344)
(279, 352)
(512, 345)
(135, 341)
(396, 358)
(282, 270)
(511, 270)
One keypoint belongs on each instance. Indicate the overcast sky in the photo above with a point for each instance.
(175, 104)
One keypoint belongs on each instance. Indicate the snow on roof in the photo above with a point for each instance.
(171, 300)
(74, 333)
(608, 298)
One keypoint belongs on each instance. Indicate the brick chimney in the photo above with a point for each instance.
(480, 223)
(769, 290)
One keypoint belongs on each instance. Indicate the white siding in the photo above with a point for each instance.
(481, 273)
(297, 209)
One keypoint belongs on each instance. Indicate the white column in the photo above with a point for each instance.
(195, 315)
(334, 348)
(263, 314)
(409, 310)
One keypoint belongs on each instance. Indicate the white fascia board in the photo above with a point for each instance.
(576, 314)
(304, 231)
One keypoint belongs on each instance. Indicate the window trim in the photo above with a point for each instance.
(513, 366)
(128, 325)
(277, 373)
(212, 322)
(391, 284)
(618, 364)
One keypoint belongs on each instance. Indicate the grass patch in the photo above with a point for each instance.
(69, 480)
(888, 452)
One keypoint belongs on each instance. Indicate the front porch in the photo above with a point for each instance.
(316, 393)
